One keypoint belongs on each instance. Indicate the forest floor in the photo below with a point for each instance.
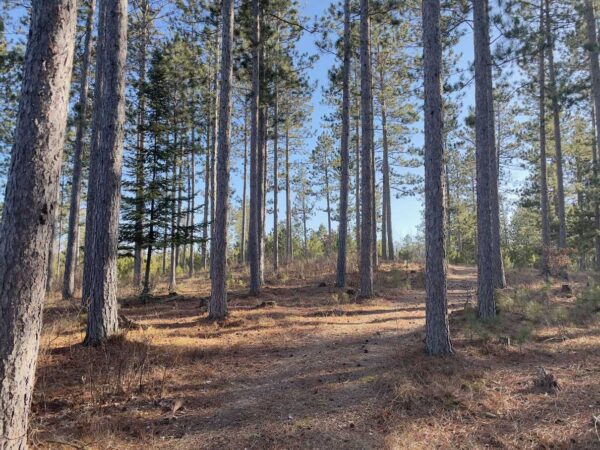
(313, 368)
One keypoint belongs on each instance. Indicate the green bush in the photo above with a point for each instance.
(587, 304)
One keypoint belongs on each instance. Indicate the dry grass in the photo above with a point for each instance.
(316, 369)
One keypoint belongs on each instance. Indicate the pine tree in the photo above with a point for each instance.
(218, 300)
(367, 246)
(552, 85)
(485, 154)
(68, 290)
(344, 152)
(592, 48)
(437, 338)
(101, 237)
(30, 204)
(253, 235)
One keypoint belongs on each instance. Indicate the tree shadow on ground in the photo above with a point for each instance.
(278, 380)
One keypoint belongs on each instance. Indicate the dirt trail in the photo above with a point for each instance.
(314, 370)
(305, 373)
(302, 374)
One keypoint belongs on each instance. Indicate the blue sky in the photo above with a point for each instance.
(406, 212)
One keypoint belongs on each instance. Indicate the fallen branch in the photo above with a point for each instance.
(269, 304)
(128, 324)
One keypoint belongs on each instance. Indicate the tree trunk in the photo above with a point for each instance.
(104, 197)
(244, 191)
(164, 252)
(390, 239)
(179, 227)
(484, 151)
(328, 205)
(592, 46)
(68, 290)
(289, 249)
(276, 182)
(146, 286)
(253, 239)
(29, 205)
(262, 122)
(562, 233)
(218, 300)
(192, 195)
(498, 262)
(499, 279)
(596, 203)
(357, 187)
(304, 224)
(207, 176)
(436, 318)
(174, 229)
(344, 153)
(543, 161)
(383, 229)
(52, 251)
(366, 250)
(141, 152)
(387, 239)
(374, 244)
(213, 148)
(60, 228)
(184, 262)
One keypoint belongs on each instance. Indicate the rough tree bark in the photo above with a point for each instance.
(140, 151)
(345, 154)
(596, 203)
(592, 46)
(289, 244)
(387, 239)
(328, 204)
(244, 190)
(172, 285)
(68, 290)
(262, 185)
(383, 228)
(276, 181)
(253, 241)
(484, 143)
(29, 205)
(217, 309)
(499, 278)
(146, 284)
(437, 338)
(560, 194)
(374, 244)
(203, 251)
(357, 185)
(213, 148)
(192, 194)
(60, 226)
(179, 188)
(52, 253)
(104, 196)
(366, 248)
(543, 161)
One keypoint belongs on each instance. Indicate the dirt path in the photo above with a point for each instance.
(311, 369)
(301, 374)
